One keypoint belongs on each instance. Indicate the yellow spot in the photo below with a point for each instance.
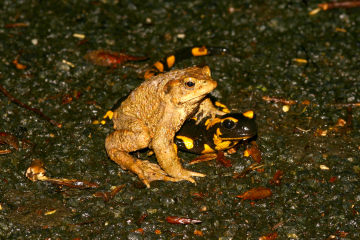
(286, 108)
(249, 114)
(219, 104)
(189, 143)
(199, 51)
(233, 143)
(176, 148)
(68, 63)
(315, 11)
(207, 149)
(223, 145)
(194, 118)
(170, 61)
(217, 140)
(300, 60)
(159, 66)
(230, 118)
(340, 30)
(212, 123)
(224, 107)
(207, 122)
(109, 114)
(50, 212)
(103, 122)
(149, 73)
(78, 35)
(246, 153)
(95, 122)
(324, 167)
(220, 144)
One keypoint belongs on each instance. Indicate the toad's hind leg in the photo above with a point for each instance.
(120, 142)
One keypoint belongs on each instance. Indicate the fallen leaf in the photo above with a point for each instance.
(256, 194)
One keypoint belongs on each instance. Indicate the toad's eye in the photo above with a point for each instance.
(190, 83)
(229, 124)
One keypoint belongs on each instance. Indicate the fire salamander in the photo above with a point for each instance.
(165, 65)
(222, 133)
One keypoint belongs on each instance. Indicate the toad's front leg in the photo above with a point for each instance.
(207, 109)
(135, 136)
(166, 155)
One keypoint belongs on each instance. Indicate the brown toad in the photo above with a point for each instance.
(151, 116)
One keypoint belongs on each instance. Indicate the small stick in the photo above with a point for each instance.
(351, 104)
(333, 5)
(279, 100)
(345, 4)
(5, 151)
(12, 99)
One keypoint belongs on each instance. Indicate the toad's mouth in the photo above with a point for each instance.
(193, 98)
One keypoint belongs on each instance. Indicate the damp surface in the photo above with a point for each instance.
(318, 197)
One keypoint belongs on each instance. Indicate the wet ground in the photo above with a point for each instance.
(318, 197)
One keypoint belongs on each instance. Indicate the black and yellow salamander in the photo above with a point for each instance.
(222, 133)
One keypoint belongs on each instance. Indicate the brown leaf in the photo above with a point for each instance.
(254, 152)
(110, 59)
(270, 236)
(73, 183)
(276, 179)
(220, 158)
(18, 65)
(67, 98)
(16, 25)
(333, 179)
(181, 220)
(305, 102)
(256, 194)
(9, 139)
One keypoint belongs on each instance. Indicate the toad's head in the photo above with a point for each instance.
(190, 86)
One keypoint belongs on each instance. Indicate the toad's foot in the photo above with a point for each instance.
(149, 172)
(187, 175)
(208, 112)
(207, 109)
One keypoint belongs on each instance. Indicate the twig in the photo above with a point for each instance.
(5, 151)
(351, 104)
(12, 99)
(345, 4)
(279, 100)
(333, 5)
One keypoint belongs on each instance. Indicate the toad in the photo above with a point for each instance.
(151, 116)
